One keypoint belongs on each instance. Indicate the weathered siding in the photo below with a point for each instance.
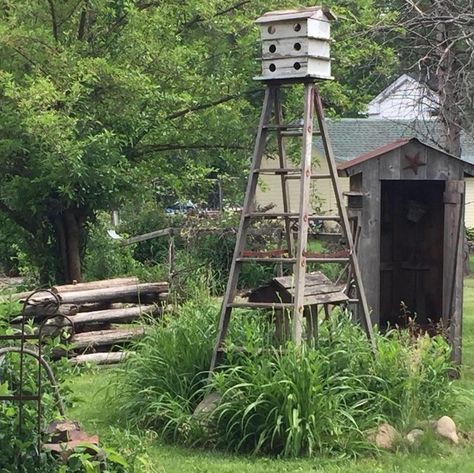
(269, 190)
(469, 209)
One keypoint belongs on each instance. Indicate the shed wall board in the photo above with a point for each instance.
(369, 244)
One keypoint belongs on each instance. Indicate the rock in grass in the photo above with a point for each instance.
(207, 406)
(445, 427)
(384, 437)
(414, 435)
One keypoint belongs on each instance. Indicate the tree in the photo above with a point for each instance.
(99, 98)
(435, 40)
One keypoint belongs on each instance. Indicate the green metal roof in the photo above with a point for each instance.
(351, 137)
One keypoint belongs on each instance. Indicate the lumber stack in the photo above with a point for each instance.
(101, 317)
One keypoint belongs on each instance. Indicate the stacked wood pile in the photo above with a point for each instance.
(103, 315)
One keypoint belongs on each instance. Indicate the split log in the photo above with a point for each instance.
(115, 315)
(115, 294)
(103, 338)
(101, 358)
(41, 310)
(86, 286)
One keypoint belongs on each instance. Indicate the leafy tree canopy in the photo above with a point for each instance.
(102, 99)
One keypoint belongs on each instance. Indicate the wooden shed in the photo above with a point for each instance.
(407, 197)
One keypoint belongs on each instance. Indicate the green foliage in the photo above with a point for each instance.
(104, 102)
(323, 399)
(105, 257)
(161, 387)
(315, 400)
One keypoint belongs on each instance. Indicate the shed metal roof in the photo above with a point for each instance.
(352, 137)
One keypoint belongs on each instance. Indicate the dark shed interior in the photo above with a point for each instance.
(411, 252)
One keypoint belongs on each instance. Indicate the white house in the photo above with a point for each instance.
(404, 99)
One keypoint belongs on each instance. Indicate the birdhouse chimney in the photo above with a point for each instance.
(296, 44)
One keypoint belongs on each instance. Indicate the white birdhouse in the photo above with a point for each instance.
(295, 43)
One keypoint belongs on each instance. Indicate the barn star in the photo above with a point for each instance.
(415, 162)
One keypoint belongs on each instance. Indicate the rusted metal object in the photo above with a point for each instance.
(48, 312)
(66, 436)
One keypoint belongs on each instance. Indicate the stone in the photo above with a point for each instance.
(384, 436)
(414, 435)
(208, 405)
(445, 427)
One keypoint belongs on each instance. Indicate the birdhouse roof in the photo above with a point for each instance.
(297, 14)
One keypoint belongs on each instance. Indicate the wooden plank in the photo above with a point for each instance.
(124, 315)
(438, 167)
(100, 338)
(115, 294)
(303, 221)
(146, 236)
(85, 286)
(453, 249)
(369, 243)
(330, 298)
(314, 278)
(320, 289)
(389, 165)
(109, 358)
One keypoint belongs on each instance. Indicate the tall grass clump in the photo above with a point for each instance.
(159, 385)
(320, 398)
(323, 399)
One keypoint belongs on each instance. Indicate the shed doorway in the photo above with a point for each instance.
(411, 253)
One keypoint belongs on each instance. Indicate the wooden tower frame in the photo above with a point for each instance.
(296, 254)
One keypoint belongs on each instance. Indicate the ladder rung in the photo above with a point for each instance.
(293, 260)
(277, 171)
(313, 176)
(283, 126)
(290, 173)
(261, 305)
(292, 133)
(291, 215)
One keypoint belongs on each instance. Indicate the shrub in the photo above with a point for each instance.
(297, 401)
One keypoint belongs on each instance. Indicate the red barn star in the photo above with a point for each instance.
(415, 162)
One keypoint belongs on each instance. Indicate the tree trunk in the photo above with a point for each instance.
(447, 77)
(68, 229)
(73, 240)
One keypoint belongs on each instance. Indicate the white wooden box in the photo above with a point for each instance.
(296, 44)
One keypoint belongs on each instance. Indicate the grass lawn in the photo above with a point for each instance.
(95, 415)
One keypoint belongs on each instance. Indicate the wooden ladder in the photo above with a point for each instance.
(297, 256)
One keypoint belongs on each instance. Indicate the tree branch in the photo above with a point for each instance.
(199, 19)
(156, 148)
(20, 221)
(203, 106)
(54, 20)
